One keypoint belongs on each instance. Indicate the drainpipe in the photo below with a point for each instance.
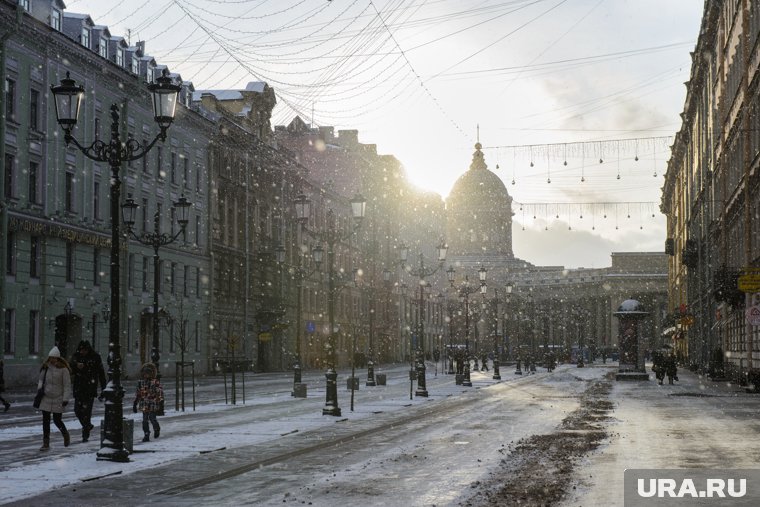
(3, 205)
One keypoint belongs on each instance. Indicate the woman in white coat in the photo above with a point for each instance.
(55, 377)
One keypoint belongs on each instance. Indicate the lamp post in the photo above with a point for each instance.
(331, 237)
(68, 98)
(450, 307)
(422, 272)
(156, 240)
(299, 273)
(464, 297)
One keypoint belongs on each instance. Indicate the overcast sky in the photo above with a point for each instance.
(424, 79)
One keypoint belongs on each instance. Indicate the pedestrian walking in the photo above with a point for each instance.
(55, 379)
(6, 404)
(149, 399)
(484, 358)
(86, 372)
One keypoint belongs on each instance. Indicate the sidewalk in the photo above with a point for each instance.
(694, 423)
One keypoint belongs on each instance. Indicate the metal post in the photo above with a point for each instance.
(154, 354)
(331, 376)
(466, 381)
(113, 442)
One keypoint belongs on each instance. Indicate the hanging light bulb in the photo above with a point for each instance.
(616, 227)
(569, 228)
(605, 215)
(636, 158)
(618, 176)
(583, 178)
(565, 162)
(557, 215)
(531, 163)
(546, 228)
(497, 166)
(655, 174)
(548, 180)
(581, 217)
(513, 181)
(593, 227)
(601, 161)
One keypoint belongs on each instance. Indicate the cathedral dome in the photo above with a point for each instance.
(479, 212)
(478, 186)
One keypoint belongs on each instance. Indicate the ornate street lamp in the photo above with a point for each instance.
(464, 297)
(156, 239)
(68, 98)
(299, 273)
(422, 272)
(330, 237)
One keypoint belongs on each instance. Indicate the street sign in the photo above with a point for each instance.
(749, 282)
(753, 315)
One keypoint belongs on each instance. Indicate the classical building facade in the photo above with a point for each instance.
(55, 212)
(548, 306)
(711, 195)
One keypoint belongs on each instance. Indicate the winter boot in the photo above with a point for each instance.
(85, 433)
(45, 444)
(156, 431)
(146, 438)
(66, 438)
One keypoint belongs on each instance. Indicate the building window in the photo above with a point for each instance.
(174, 167)
(96, 200)
(145, 274)
(24, 4)
(186, 171)
(145, 159)
(69, 192)
(197, 179)
(197, 336)
(10, 98)
(197, 230)
(96, 266)
(171, 336)
(120, 57)
(185, 277)
(172, 216)
(69, 262)
(173, 277)
(103, 49)
(10, 253)
(34, 183)
(131, 272)
(34, 332)
(135, 66)
(144, 211)
(34, 110)
(55, 19)
(9, 175)
(159, 162)
(9, 345)
(85, 37)
(34, 257)
(197, 282)
(130, 345)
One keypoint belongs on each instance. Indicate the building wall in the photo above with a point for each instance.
(710, 195)
(56, 213)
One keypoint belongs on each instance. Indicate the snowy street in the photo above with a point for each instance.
(563, 437)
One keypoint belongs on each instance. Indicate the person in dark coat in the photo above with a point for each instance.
(148, 399)
(86, 372)
(55, 379)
